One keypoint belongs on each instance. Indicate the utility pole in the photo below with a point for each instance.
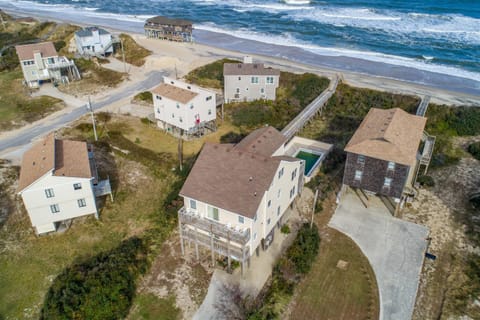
(314, 205)
(93, 118)
(123, 56)
(180, 150)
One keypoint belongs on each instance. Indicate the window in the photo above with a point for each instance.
(361, 159)
(173, 115)
(178, 106)
(255, 218)
(209, 111)
(254, 236)
(191, 106)
(208, 98)
(213, 213)
(50, 61)
(387, 182)
(81, 203)
(77, 186)
(292, 192)
(181, 120)
(238, 90)
(159, 98)
(278, 211)
(262, 90)
(254, 80)
(239, 78)
(391, 165)
(269, 80)
(193, 204)
(358, 175)
(268, 221)
(269, 203)
(241, 219)
(294, 174)
(158, 110)
(189, 88)
(279, 192)
(280, 173)
(54, 208)
(49, 193)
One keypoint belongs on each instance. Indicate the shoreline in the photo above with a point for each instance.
(206, 53)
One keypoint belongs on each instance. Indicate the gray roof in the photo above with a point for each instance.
(232, 177)
(87, 32)
(169, 21)
(247, 69)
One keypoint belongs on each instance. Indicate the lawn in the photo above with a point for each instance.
(17, 108)
(29, 263)
(328, 292)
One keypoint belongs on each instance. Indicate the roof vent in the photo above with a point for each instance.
(250, 178)
(255, 194)
(33, 163)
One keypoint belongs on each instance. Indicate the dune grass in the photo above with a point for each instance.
(134, 53)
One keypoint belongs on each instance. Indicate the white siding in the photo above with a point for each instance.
(65, 196)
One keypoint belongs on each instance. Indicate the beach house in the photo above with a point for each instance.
(94, 41)
(237, 194)
(249, 81)
(385, 153)
(59, 182)
(183, 109)
(41, 62)
(169, 29)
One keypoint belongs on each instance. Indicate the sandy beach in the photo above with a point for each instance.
(184, 57)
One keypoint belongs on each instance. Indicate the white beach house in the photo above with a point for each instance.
(249, 81)
(41, 62)
(58, 182)
(235, 195)
(94, 41)
(184, 109)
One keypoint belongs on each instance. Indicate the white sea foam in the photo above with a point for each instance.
(291, 41)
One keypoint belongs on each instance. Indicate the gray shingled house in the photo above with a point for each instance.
(384, 157)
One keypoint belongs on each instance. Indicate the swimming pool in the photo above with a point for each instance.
(311, 158)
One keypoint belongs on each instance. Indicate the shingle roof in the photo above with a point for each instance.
(87, 32)
(233, 69)
(65, 157)
(174, 93)
(232, 178)
(264, 141)
(390, 135)
(169, 21)
(26, 51)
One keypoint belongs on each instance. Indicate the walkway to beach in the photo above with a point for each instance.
(422, 107)
(311, 110)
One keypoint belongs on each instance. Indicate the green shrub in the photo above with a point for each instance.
(232, 137)
(474, 150)
(144, 96)
(101, 287)
(59, 45)
(426, 181)
(285, 229)
(145, 121)
(210, 75)
(84, 127)
(304, 249)
(466, 121)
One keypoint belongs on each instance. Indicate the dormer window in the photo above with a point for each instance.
(361, 159)
(391, 165)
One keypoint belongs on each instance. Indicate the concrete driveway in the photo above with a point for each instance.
(395, 249)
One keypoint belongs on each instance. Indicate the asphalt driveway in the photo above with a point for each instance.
(395, 249)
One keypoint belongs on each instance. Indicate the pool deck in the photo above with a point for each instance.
(298, 144)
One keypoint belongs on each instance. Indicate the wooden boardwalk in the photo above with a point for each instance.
(422, 107)
(299, 121)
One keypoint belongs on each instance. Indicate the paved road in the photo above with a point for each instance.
(394, 248)
(26, 136)
(299, 121)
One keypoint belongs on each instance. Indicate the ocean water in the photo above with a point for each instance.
(433, 36)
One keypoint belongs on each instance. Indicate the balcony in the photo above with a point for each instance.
(212, 227)
(60, 63)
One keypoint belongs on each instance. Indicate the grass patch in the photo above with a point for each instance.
(210, 75)
(334, 293)
(294, 93)
(17, 107)
(150, 307)
(145, 96)
(134, 53)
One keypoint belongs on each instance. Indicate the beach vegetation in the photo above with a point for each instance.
(17, 107)
(145, 96)
(209, 75)
(135, 54)
(474, 149)
(294, 93)
(150, 307)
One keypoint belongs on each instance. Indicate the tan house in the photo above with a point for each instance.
(385, 153)
(169, 29)
(40, 62)
(249, 81)
(59, 182)
(236, 194)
